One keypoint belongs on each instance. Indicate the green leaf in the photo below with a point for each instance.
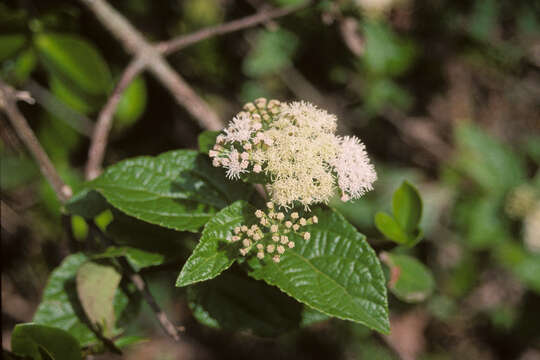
(407, 207)
(410, 280)
(214, 253)
(272, 52)
(96, 286)
(16, 171)
(60, 306)
(178, 189)
(492, 165)
(75, 60)
(33, 340)
(126, 341)
(387, 225)
(131, 105)
(385, 52)
(137, 258)
(207, 140)
(335, 272)
(86, 203)
(75, 99)
(10, 44)
(238, 303)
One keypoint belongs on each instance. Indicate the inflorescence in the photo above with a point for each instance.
(295, 147)
(274, 233)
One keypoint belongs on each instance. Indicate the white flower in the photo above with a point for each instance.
(233, 165)
(355, 174)
(240, 128)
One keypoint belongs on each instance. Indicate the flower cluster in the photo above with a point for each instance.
(272, 236)
(294, 145)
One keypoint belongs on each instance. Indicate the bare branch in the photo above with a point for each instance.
(8, 102)
(180, 42)
(134, 43)
(103, 126)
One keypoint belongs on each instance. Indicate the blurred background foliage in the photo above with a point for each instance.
(445, 94)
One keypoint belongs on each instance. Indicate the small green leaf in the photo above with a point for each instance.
(335, 272)
(96, 286)
(77, 100)
(207, 139)
(410, 280)
(33, 339)
(10, 44)
(407, 207)
(131, 105)
(390, 228)
(126, 341)
(137, 258)
(214, 253)
(179, 189)
(238, 303)
(74, 60)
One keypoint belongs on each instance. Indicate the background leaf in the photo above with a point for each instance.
(410, 280)
(335, 272)
(74, 60)
(96, 286)
(390, 228)
(178, 189)
(215, 253)
(407, 207)
(33, 339)
(132, 104)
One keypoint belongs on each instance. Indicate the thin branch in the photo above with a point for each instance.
(134, 43)
(180, 42)
(103, 126)
(141, 286)
(8, 102)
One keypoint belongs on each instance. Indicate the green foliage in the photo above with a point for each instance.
(44, 342)
(207, 140)
(60, 306)
(132, 104)
(410, 280)
(137, 258)
(403, 226)
(385, 52)
(335, 272)
(96, 286)
(178, 189)
(490, 164)
(238, 303)
(75, 61)
(11, 43)
(16, 171)
(214, 254)
(272, 52)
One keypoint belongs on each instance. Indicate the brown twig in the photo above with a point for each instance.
(134, 43)
(141, 286)
(104, 122)
(8, 102)
(180, 42)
